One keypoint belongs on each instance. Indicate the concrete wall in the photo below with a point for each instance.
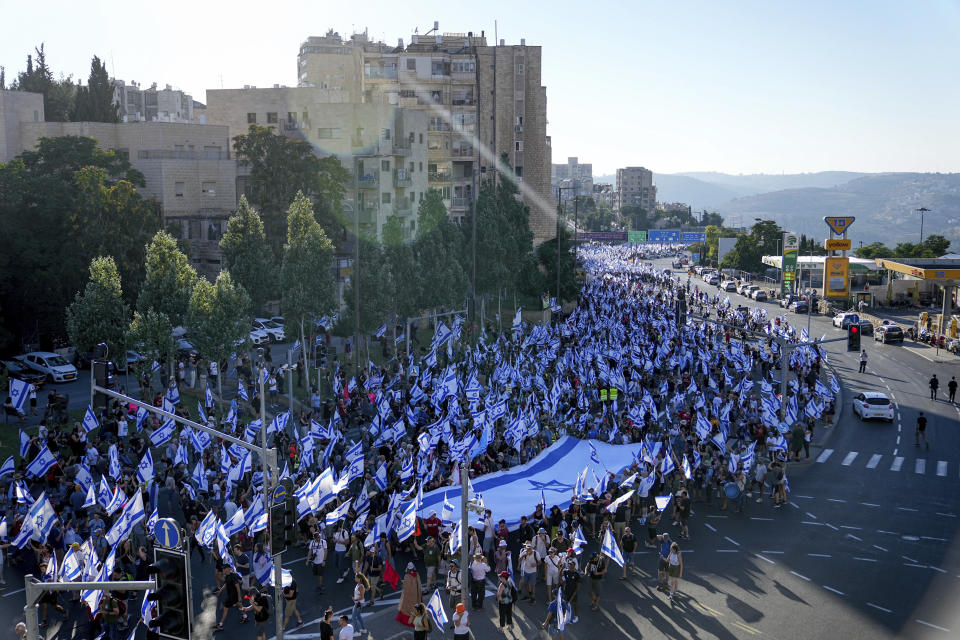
(17, 107)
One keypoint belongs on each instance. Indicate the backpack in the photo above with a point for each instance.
(264, 614)
(513, 592)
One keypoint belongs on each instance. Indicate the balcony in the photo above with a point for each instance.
(401, 178)
(461, 203)
(369, 181)
(463, 101)
(403, 207)
(463, 152)
(368, 212)
(464, 178)
(402, 149)
(439, 176)
(438, 126)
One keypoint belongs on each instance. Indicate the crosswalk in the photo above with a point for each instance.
(878, 461)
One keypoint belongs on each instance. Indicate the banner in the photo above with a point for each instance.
(788, 265)
(636, 236)
(836, 278)
(601, 236)
(550, 476)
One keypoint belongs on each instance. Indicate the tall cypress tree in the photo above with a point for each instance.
(94, 102)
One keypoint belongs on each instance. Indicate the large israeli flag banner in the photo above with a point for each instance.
(553, 473)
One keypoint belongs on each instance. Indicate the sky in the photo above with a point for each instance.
(672, 85)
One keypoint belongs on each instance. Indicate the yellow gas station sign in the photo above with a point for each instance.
(836, 278)
(837, 244)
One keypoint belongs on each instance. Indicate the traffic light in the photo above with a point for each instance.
(172, 570)
(103, 376)
(853, 337)
(279, 524)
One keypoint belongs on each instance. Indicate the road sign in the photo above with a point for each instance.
(839, 224)
(167, 533)
(837, 244)
(279, 494)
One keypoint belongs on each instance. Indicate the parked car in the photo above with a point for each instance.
(888, 333)
(22, 372)
(279, 320)
(742, 288)
(54, 367)
(759, 295)
(713, 279)
(799, 306)
(259, 336)
(871, 404)
(275, 330)
(132, 360)
(186, 350)
(845, 318)
(728, 285)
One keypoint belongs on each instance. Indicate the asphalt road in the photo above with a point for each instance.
(866, 548)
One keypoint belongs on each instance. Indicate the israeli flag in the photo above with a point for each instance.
(563, 611)
(646, 484)
(362, 502)
(145, 468)
(381, 477)
(173, 395)
(114, 469)
(382, 330)
(201, 413)
(296, 346)
(42, 463)
(408, 523)
(152, 521)
(19, 392)
(116, 500)
(164, 433)
(70, 570)
(91, 499)
(400, 338)
(242, 392)
(834, 385)
(613, 506)
(235, 524)
(668, 465)
(446, 513)
(517, 319)
(338, 514)
(687, 473)
(594, 456)
(435, 608)
(208, 398)
(610, 549)
(24, 444)
(105, 494)
(8, 467)
(90, 421)
(52, 572)
(141, 416)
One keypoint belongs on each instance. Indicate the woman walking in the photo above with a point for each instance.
(675, 568)
(359, 594)
(421, 623)
(411, 595)
(505, 596)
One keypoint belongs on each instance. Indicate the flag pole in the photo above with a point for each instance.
(464, 530)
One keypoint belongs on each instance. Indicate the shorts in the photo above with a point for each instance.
(317, 569)
(261, 627)
(674, 571)
(431, 573)
(530, 578)
(662, 565)
(552, 578)
(596, 585)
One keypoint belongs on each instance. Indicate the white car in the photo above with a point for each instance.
(259, 336)
(272, 328)
(52, 365)
(845, 319)
(728, 285)
(871, 404)
(713, 279)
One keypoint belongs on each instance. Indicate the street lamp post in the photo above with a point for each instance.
(921, 211)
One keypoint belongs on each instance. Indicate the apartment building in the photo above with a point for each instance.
(571, 177)
(383, 147)
(635, 188)
(481, 101)
(138, 104)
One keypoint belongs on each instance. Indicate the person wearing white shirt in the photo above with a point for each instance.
(346, 629)
(317, 556)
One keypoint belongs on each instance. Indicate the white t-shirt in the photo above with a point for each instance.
(340, 539)
(318, 550)
(460, 622)
(346, 632)
(528, 560)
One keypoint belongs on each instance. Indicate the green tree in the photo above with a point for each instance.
(438, 248)
(935, 246)
(748, 253)
(58, 95)
(151, 334)
(94, 102)
(306, 280)
(247, 256)
(99, 314)
(218, 316)
(282, 167)
(393, 233)
(874, 250)
(169, 279)
(547, 258)
(376, 287)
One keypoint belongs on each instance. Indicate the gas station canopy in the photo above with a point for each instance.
(923, 268)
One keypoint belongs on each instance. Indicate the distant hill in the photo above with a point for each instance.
(699, 194)
(749, 184)
(884, 205)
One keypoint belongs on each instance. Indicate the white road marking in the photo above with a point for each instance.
(765, 559)
(850, 457)
(936, 568)
(889, 533)
(797, 495)
(932, 538)
(816, 524)
(719, 517)
(799, 575)
(916, 566)
(836, 591)
(728, 551)
(831, 526)
(727, 538)
(809, 515)
(898, 440)
(947, 515)
(773, 552)
(876, 606)
(825, 455)
(920, 466)
(909, 559)
(874, 461)
(864, 559)
(819, 555)
(941, 468)
(851, 527)
(12, 593)
(850, 535)
(897, 463)
(835, 500)
(794, 504)
(876, 546)
(932, 626)
(706, 524)
(911, 509)
(870, 504)
(761, 519)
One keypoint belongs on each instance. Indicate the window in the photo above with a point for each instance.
(439, 68)
(410, 138)
(421, 167)
(519, 171)
(303, 117)
(178, 189)
(518, 145)
(209, 189)
(385, 165)
(411, 64)
(272, 117)
(328, 133)
(385, 198)
(412, 165)
(291, 117)
(211, 153)
(385, 134)
(421, 138)
(445, 191)
(194, 229)
(520, 68)
(213, 231)
(251, 118)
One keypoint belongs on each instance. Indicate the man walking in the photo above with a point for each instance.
(952, 388)
(863, 361)
(922, 431)
(934, 385)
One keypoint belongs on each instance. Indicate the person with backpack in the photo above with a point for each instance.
(290, 596)
(421, 622)
(506, 596)
(260, 605)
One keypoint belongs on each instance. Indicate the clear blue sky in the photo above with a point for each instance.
(672, 85)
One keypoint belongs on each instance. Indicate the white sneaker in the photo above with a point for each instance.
(575, 620)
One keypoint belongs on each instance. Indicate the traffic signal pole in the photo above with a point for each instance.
(268, 490)
(35, 589)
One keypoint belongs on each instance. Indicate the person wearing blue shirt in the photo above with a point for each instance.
(662, 562)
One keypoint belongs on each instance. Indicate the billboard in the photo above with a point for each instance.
(724, 246)
(791, 249)
(664, 235)
(602, 236)
(636, 236)
(693, 236)
(836, 278)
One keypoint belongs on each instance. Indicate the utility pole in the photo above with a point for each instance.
(268, 502)
(921, 211)
(464, 530)
(355, 275)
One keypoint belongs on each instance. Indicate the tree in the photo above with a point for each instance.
(874, 250)
(376, 287)
(219, 318)
(94, 103)
(247, 256)
(547, 258)
(99, 314)
(393, 233)
(306, 280)
(151, 334)
(282, 167)
(169, 279)
(438, 248)
(748, 253)
(58, 95)
(935, 246)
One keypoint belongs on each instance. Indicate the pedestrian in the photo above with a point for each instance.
(922, 431)
(684, 509)
(326, 625)
(454, 584)
(33, 398)
(653, 519)
(529, 560)
(411, 594)
(571, 588)
(346, 629)
(506, 592)
(231, 591)
(675, 569)
(431, 559)
(552, 623)
(290, 598)
(260, 605)
(317, 557)
(952, 389)
(664, 540)
(478, 576)
(359, 596)
(461, 622)
(421, 622)
(934, 385)
(596, 569)
(863, 361)
(628, 545)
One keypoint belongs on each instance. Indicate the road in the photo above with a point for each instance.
(866, 548)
